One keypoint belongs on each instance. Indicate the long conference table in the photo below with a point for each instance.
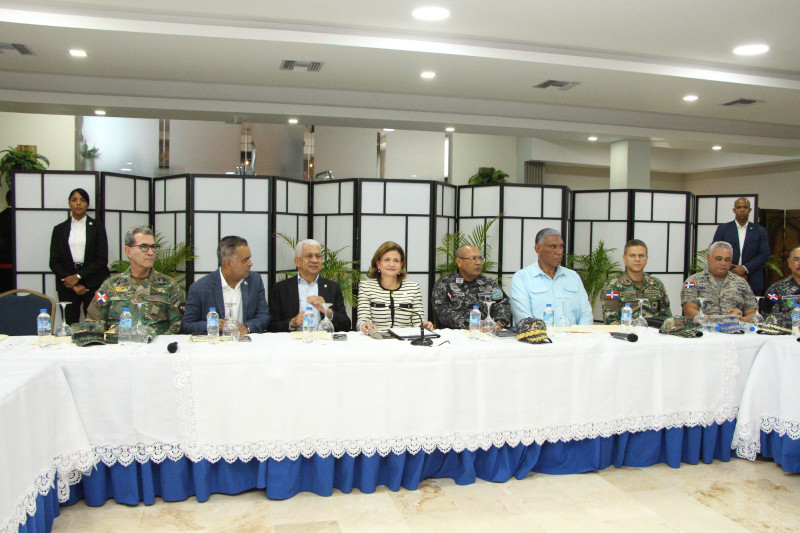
(134, 423)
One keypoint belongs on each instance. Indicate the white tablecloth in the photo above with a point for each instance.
(771, 400)
(40, 434)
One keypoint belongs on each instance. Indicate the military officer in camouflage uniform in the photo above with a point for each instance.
(455, 294)
(784, 294)
(164, 299)
(632, 284)
(724, 292)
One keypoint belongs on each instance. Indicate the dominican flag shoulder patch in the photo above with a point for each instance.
(773, 296)
(101, 297)
(612, 295)
(688, 285)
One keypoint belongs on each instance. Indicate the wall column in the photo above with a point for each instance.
(630, 164)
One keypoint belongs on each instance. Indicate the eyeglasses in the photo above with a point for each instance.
(794, 259)
(476, 259)
(146, 247)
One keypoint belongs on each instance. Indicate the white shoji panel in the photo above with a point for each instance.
(377, 230)
(591, 206)
(706, 211)
(142, 196)
(298, 197)
(252, 227)
(673, 283)
(613, 236)
(346, 197)
(284, 255)
(619, 205)
(33, 254)
(158, 193)
(165, 225)
(553, 199)
(670, 207)
(408, 198)
(114, 237)
(465, 202)
(133, 220)
(217, 194)
(522, 202)
(654, 235)
(705, 234)
(28, 191)
(176, 195)
(449, 207)
(643, 206)
(580, 239)
(256, 194)
(486, 202)
(372, 197)
(512, 248)
(677, 247)
(326, 198)
(340, 235)
(280, 196)
(120, 193)
(417, 253)
(32, 282)
(422, 280)
(206, 231)
(443, 227)
(58, 186)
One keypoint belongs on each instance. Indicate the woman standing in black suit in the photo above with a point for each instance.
(78, 256)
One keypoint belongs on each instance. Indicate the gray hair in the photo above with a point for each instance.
(545, 233)
(718, 244)
(226, 249)
(298, 250)
(130, 240)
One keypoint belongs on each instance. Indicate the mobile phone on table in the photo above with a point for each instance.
(340, 336)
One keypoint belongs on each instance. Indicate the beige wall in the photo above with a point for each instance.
(777, 185)
(582, 178)
(471, 151)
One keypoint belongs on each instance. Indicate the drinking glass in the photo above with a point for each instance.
(64, 330)
(563, 320)
(326, 324)
(139, 329)
(640, 323)
(757, 318)
(701, 318)
(231, 327)
(488, 325)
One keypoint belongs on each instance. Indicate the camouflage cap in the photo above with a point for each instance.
(776, 324)
(532, 330)
(87, 333)
(680, 326)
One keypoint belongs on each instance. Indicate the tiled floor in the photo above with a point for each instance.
(735, 496)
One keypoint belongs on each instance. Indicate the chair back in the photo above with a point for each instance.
(19, 309)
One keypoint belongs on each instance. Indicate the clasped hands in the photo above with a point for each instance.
(315, 302)
(71, 282)
(739, 270)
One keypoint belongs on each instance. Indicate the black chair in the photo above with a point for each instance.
(19, 309)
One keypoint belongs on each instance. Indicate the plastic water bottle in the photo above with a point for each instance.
(212, 325)
(126, 327)
(308, 324)
(626, 319)
(796, 320)
(548, 316)
(475, 322)
(43, 327)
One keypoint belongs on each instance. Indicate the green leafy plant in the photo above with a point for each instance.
(451, 242)
(488, 175)
(168, 260)
(89, 153)
(20, 159)
(333, 267)
(594, 269)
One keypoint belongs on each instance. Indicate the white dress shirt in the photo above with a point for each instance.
(77, 239)
(742, 234)
(232, 295)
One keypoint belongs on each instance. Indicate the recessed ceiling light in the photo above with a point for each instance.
(450, 130)
(690, 98)
(592, 138)
(717, 147)
(430, 13)
(751, 49)
(125, 169)
(428, 75)
(292, 121)
(388, 129)
(76, 52)
(99, 112)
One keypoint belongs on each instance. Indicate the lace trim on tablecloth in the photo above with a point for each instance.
(70, 469)
(747, 439)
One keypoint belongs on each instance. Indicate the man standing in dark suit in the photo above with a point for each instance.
(233, 283)
(750, 245)
(288, 298)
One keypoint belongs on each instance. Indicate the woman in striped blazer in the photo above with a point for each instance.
(387, 299)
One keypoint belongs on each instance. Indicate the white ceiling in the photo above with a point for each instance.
(215, 60)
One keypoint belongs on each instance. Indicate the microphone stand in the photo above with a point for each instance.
(422, 340)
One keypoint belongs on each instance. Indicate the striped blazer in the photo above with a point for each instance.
(386, 308)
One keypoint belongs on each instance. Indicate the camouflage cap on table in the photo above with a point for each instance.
(87, 333)
(680, 326)
(532, 330)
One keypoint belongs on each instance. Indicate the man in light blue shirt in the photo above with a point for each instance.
(545, 281)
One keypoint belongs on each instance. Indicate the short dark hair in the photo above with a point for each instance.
(226, 249)
(82, 192)
(388, 246)
(633, 242)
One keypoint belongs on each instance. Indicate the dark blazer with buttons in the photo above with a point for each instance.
(755, 253)
(207, 292)
(95, 259)
(284, 302)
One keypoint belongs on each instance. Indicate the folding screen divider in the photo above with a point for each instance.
(126, 204)
(713, 210)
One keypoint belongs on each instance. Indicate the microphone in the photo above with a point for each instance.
(630, 337)
(422, 340)
(172, 347)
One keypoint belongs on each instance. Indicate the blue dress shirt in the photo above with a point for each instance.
(532, 290)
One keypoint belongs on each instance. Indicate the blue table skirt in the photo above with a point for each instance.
(179, 480)
(46, 512)
(782, 449)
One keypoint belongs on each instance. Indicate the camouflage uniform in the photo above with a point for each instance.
(732, 293)
(453, 298)
(162, 312)
(781, 298)
(621, 289)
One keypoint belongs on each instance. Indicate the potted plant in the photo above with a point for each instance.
(453, 241)
(594, 269)
(88, 156)
(168, 259)
(20, 158)
(488, 175)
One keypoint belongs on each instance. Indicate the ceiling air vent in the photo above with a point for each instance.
(15, 49)
(308, 66)
(743, 101)
(557, 84)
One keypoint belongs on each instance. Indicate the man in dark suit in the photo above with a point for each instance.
(80, 264)
(232, 283)
(285, 297)
(750, 245)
